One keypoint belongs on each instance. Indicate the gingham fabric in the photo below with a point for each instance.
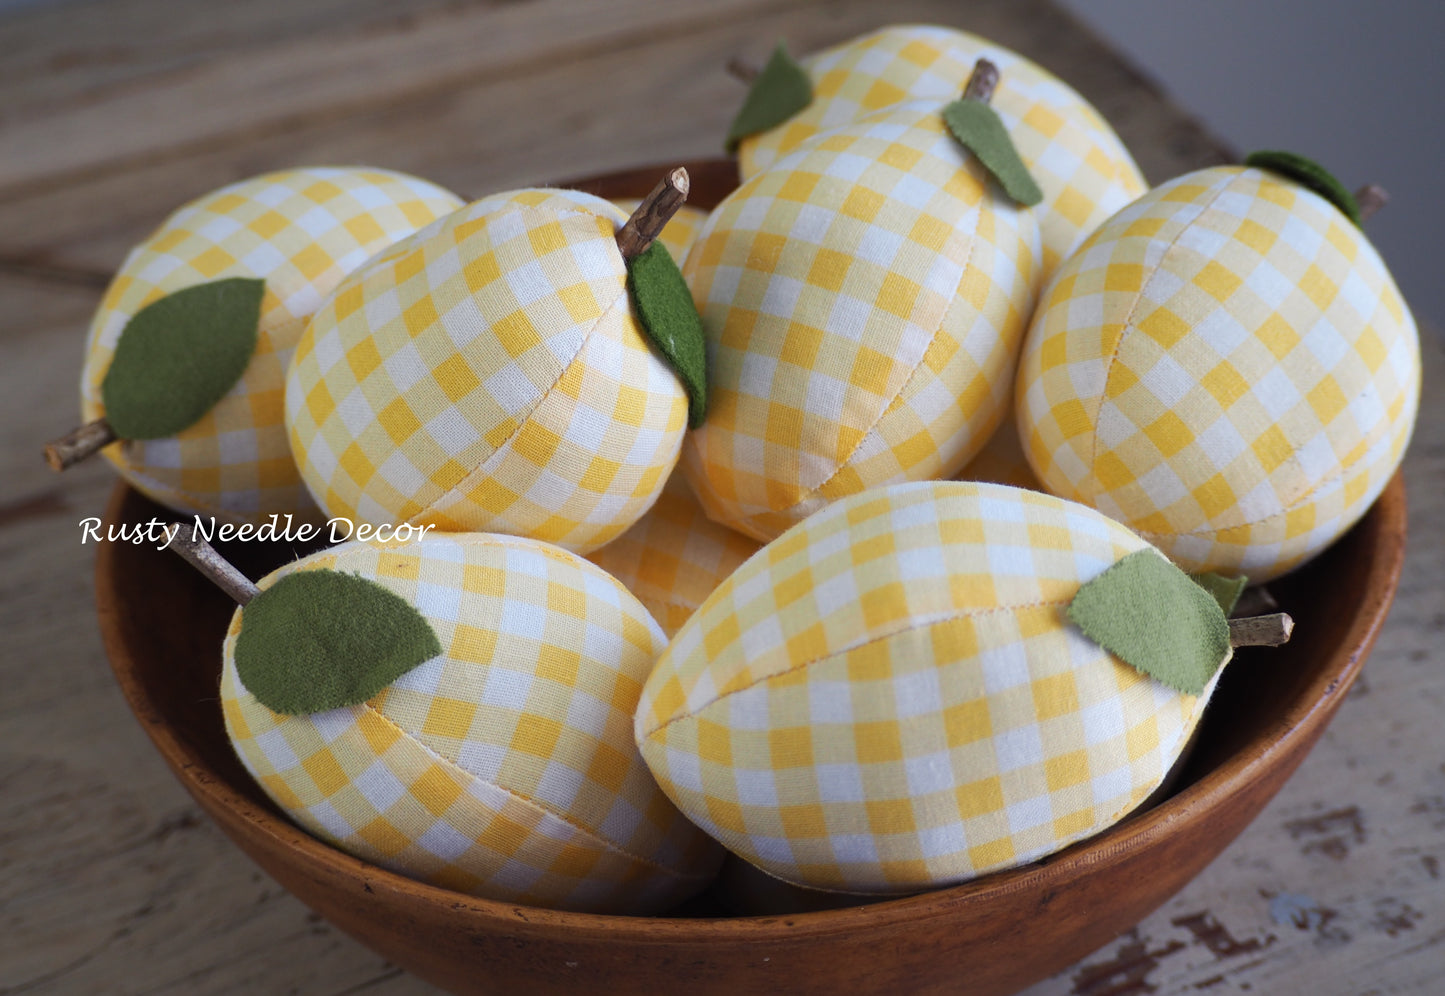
(1002, 460)
(302, 231)
(1085, 172)
(679, 232)
(489, 374)
(864, 301)
(505, 767)
(890, 697)
(1226, 367)
(675, 556)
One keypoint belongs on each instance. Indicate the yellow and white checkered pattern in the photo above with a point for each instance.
(890, 697)
(301, 231)
(1227, 368)
(489, 374)
(675, 556)
(1083, 169)
(864, 301)
(505, 767)
(679, 232)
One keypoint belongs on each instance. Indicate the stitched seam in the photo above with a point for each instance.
(849, 648)
(538, 805)
(1306, 495)
(897, 398)
(1129, 327)
(468, 483)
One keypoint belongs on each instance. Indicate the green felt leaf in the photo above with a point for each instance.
(781, 90)
(1149, 614)
(665, 307)
(179, 355)
(1222, 589)
(320, 639)
(979, 129)
(1311, 174)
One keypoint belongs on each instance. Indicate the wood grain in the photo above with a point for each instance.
(111, 879)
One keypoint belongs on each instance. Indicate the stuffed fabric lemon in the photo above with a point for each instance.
(863, 300)
(490, 373)
(1226, 367)
(500, 761)
(675, 556)
(226, 284)
(680, 231)
(891, 696)
(1085, 172)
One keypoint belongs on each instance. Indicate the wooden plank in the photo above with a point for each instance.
(543, 123)
(261, 90)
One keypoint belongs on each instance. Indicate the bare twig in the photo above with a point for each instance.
(1272, 630)
(189, 544)
(981, 82)
(1371, 197)
(80, 443)
(653, 214)
(742, 70)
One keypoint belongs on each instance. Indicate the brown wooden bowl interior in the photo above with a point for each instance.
(163, 626)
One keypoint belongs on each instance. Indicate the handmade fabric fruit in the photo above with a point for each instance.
(459, 709)
(897, 693)
(493, 373)
(186, 357)
(1083, 169)
(1227, 368)
(863, 300)
(675, 556)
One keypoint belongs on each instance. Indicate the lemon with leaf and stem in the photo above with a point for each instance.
(459, 710)
(1226, 366)
(186, 356)
(528, 365)
(863, 299)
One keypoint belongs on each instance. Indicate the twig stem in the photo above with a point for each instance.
(80, 443)
(1272, 630)
(981, 82)
(742, 70)
(1371, 197)
(217, 569)
(653, 214)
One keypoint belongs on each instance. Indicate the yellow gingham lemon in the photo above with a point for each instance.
(504, 767)
(1082, 168)
(1227, 368)
(863, 302)
(675, 556)
(301, 231)
(679, 232)
(889, 696)
(489, 374)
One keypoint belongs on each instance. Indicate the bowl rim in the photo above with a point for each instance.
(1252, 762)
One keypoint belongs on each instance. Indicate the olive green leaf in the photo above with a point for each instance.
(979, 129)
(1308, 173)
(319, 639)
(1224, 590)
(1149, 614)
(781, 90)
(665, 307)
(179, 355)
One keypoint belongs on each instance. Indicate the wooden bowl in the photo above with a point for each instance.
(163, 626)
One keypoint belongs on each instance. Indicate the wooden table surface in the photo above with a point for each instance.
(112, 113)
